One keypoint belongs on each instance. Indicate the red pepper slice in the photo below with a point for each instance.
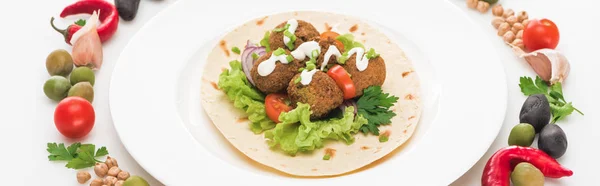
(343, 80)
(109, 16)
(497, 169)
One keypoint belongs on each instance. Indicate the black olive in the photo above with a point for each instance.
(127, 8)
(553, 141)
(536, 111)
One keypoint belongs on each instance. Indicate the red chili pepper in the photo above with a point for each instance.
(498, 168)
(108, 16)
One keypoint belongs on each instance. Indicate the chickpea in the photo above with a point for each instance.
(472, 3)
(511, 20)
(123, 175)
(114, 171)
(97, 182)
(508, 12)
(503, 28)
(111, 162)
(509, 37)
(522, 15)
(119, 183)
(101, 169)
(497, 21)
(517, 27)
(525, 22)
(518, 43)
(110, 180)
(83, 176)
(520, 34)
(483, 6)
(498, 10)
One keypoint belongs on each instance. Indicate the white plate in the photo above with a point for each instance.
(155, 100)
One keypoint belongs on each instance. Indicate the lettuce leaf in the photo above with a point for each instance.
(234, 83)
(296, 133)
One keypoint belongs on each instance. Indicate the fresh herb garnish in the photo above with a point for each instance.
(559, 107)
(292, 37)
(372, 54)
(297, 80)
(289, 58)
(255, 56)
(348, 41)
(80, 22)
(279, 52)
(78, 155)
(282, 28)
(326, 157)
(383, 138)
(374, 105)
(235, 50)
(265, 41)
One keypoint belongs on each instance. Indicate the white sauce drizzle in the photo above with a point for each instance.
(292, 29)
(305, 49)
(266, 67)
(332, 50)
(361, 63)
(306, 76)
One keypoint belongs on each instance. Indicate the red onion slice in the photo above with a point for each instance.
(348, 103)
(248, 61)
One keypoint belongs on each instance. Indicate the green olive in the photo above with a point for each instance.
(56, 87)
(491, 2)
(135, 181)
(84, 90)
(83, 74)
(59, 63)
(522, 135)
(525, 174)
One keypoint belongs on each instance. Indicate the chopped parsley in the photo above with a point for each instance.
(374, 105)
(559, 107)
(235, 50)
(80, 22)
(78, 155)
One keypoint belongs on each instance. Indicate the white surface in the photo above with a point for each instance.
(143, 59)
(26, 125)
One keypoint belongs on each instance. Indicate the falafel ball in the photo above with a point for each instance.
(322, 94)
(304, 32)
(373, 75)
(325, 44)
(278, 80)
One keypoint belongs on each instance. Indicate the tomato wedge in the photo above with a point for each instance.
(333, 35)
(275, 105)
(343, 80)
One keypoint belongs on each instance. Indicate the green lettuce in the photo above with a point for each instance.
(349, 43)
(245, 97)
(296, 133)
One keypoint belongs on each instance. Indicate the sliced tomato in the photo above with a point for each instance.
(333, 35)
(343, 80)
(275, 105)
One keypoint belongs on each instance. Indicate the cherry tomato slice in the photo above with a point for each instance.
(275, 105)
(74, 117)
(343, 80)
(539, 34)
(333, 35)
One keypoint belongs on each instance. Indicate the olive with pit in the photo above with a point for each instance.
(83, 74)
(553, 141)
(84, 90)
(535, 111)
(521, 135)
(135, 181)
(57, 87)
(59, 63)
(525, 174)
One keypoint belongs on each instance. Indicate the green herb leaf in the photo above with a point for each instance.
(101, 152)
(528, 87)
(383, 138)
(374, 106)
(235, 50)
(310, 66)
(59, 152)
(297, 80)
(279, 52)
(558, 105)
(282, 28)
(254, 56)
(84, 159)
(289, 58)
(78, 155)
(326, 157)
(265, 41)
(292, 37)
(80, 22)
(372, 54)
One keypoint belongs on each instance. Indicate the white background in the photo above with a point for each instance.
(26, 115)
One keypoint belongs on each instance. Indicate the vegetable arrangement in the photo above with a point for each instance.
(535, 41)
(72, 77)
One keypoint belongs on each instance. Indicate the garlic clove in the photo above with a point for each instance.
(87, 47)
(551, 65)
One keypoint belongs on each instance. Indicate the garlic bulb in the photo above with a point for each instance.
(551, 65)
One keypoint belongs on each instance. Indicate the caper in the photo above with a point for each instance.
(525, 174)
(83, 74)
(135, 181)
(59, 63)
(56, 87)
(522, 135)
(84, 90)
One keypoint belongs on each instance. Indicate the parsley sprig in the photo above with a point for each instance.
(374, 106)
(78, 155)
(559, 107)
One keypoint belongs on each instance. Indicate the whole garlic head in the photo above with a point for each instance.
(551, 65)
